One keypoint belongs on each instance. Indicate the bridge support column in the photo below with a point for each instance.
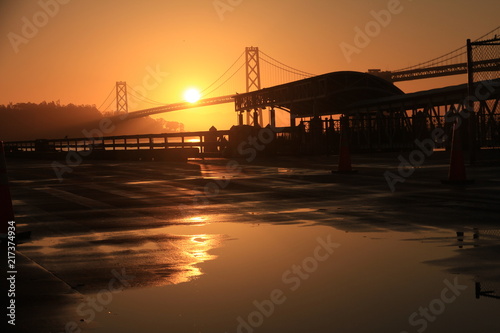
(292, 120)
(272, 118)
(240, 118)
(249, 121)
(256, 117)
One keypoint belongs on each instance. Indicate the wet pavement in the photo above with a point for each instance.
(278, 245)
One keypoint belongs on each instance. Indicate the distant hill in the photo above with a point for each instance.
(30, 121)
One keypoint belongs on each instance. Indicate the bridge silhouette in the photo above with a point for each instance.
(257, 63)
(378, 115)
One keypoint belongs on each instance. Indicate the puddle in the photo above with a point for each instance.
(309, 278)
(156, 255)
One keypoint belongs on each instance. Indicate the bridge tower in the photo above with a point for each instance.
(253, 81)
(121, 97)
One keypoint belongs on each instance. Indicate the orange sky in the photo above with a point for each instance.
(76, 50)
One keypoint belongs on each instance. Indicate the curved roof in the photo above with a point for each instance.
(323, 94)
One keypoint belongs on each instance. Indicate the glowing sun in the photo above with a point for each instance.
(192, 95)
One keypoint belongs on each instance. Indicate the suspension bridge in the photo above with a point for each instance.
(260, 67)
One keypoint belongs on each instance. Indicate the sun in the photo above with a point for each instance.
(192, 95)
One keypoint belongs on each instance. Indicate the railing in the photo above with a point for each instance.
(205, 142)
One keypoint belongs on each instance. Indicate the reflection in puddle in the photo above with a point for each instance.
(477, 254)
(155, 256)
(275, 278)
(299, 210)
(196, 220)
(145, 182)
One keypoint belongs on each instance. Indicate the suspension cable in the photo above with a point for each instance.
(239, 68)
(114, 100)
(142, 98)
(106, 98)
(300, 73)
(303, 73)
(447, 54)
(220, 77)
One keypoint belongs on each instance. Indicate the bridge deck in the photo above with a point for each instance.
(438, 71)
(177, 106)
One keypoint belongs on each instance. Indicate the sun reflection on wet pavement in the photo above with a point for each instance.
(159, 257)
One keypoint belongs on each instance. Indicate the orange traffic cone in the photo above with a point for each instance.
(344, 152)
(6, 211)
(456, 174)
